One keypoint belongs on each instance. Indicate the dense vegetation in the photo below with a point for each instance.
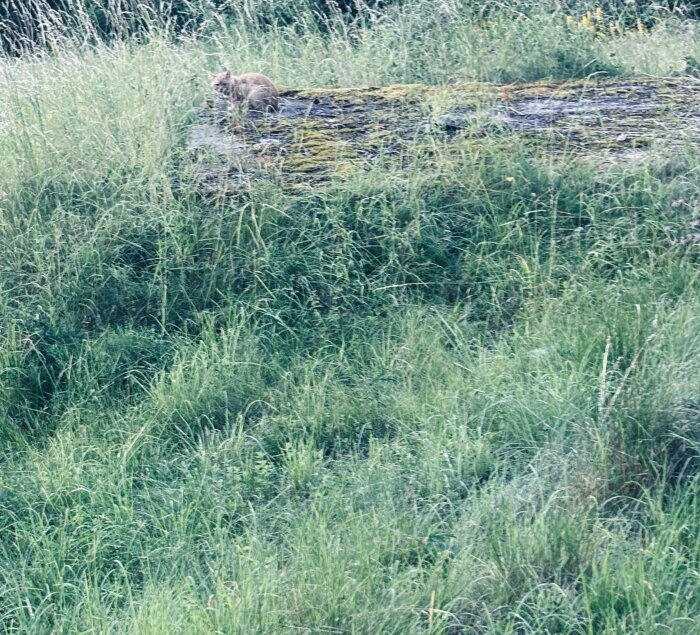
(460, 398)
(28, 24)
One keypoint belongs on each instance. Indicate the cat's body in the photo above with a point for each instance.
(253, 90)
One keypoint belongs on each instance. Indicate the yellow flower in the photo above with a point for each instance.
(599, 15)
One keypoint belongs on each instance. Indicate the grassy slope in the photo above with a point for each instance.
(455, 403)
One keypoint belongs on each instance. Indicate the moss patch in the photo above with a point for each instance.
(321, 134)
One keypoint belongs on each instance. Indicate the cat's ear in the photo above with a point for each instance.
(228, 73)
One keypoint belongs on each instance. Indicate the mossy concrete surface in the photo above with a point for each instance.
(320, 134)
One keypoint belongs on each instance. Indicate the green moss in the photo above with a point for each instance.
(314, 150)
(322, 133)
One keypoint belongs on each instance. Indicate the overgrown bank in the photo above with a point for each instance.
(457, 398)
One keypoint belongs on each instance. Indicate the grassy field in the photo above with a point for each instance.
(452, 399)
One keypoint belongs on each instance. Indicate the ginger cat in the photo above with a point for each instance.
(254, 90)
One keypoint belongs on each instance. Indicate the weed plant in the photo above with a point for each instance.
(462, 397)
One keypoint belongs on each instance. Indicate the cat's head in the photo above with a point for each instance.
(224, 82)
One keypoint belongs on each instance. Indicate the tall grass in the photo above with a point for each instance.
(459, 398)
